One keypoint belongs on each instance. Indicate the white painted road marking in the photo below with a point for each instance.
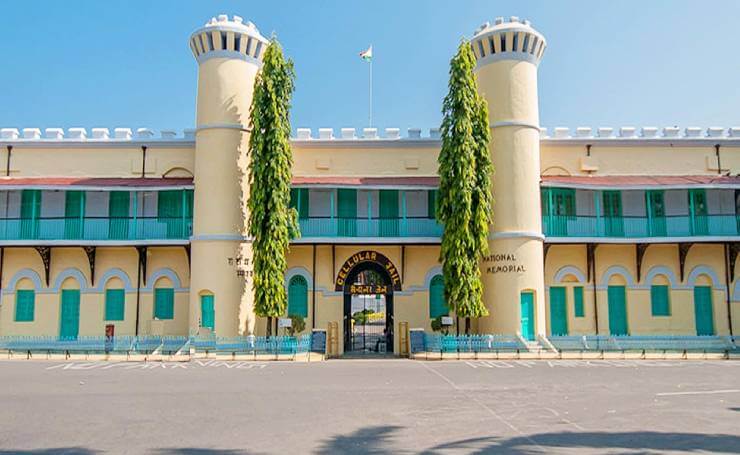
(231, 365)
(697, 392)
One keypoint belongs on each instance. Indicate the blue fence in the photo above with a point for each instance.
(93, 345)
(655, 343)
(253, 345)
(470, 343)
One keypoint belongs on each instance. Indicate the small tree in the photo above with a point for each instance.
(464, 188)
(272, 222)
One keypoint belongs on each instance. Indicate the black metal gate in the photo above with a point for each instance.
(368, 314)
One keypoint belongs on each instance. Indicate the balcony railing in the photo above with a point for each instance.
(640, 227)
(369, 227)
(96, 229)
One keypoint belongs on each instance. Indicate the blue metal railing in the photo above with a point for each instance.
(648, 343)
(641, 226)
(96, 228)
(253, 345)
(471, 343)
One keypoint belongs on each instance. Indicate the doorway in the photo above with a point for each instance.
(368, 312)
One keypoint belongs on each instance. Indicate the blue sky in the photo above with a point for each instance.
(609, 63)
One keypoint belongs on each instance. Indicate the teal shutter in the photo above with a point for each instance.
(115, 303)
(74, 214)
(526, 304)
(170, 211)
(70, 314)
(388, 211)
(347, 212)
(578, 301)
(613, 221)
(617, 299)
(698, 210)
(25, 302)
(164, 303)
(432, 196)
(118, 214)
(207, 312)
(659, 294)
(299, 201)
(558, 311)
(30, 213)
(437, 302)
(655, 207)
(562, 210)
(703, 312)
(298, 296)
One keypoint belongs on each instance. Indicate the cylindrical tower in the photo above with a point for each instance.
(507, 54)
(229, 54)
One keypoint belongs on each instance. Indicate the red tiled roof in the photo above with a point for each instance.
(94, 181)
(368, 181)
(641, 180)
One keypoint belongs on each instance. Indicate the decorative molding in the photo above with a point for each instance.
(683, 252)
(661, 270)
(615, 270)
(223, 126)
(569, 270)
(702, 269)
(21, 274)
(71, 272)
(228, 54)
(45, 253)
(516, 234)
(219, 237)
(302, 271)
(504, 123)
(640, 250)
(115, 273)
(164, 272)
(90, 251)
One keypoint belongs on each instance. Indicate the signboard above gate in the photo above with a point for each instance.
(368, 289)
(379, 262)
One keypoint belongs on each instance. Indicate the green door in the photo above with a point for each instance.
(703, 310)
(70, 314)
(118, 214)
(527, 314)
(207, 312)
(347, 212)
(30, 213)
(655, 207)
(698, 211)
(613, 222)
(74, 214)
(559, 207)
(558, 311)
(388, 211)
(298, 297)
(617, 310)
(437, 302)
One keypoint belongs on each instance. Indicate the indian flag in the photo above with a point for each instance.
(367, 55)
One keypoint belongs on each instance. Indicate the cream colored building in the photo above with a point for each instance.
(609, 231)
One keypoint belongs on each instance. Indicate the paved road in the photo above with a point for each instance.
(370, 407)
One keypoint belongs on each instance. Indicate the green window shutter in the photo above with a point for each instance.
(558, 311)
(578, 301)
(118, 214)
(437, 303)
(207, 312)
(432, 196)
(74, 214)
(703, 312)
(655, 208)
(70, 314)
(25, 302)
(189, 196)
(164, 303)
(617, 301)
(698, 208)
(115, 303)
(659, 302)
(614, 223)
(347, 212)
(170, 211)
(299, 201)
(388, 213)
(298, 296)
(30, 213)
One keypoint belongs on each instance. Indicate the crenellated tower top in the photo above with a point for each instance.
(222, 37)
(514, 39)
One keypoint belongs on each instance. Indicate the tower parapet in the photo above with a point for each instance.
(514, 39)
(228, 38)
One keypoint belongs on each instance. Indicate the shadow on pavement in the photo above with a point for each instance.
(370, 440)
(599, 441)
(53, 451)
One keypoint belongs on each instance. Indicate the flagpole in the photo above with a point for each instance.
(370, 93)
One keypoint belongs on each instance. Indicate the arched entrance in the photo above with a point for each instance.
(367, 280)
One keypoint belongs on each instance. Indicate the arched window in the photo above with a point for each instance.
(298, 296)
(437, 303)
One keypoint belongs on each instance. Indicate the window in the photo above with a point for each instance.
(30, 212)
(432, 204)
(74, 214)
(503, 42)
(437, 303)
(299, 201)
(25, 301)
(480, 49)
(515, 44)
(492, 44)
(659, 300)
(298, 296)
(164, 303)
(525, 44)
(174, 208)
(207, 312)
(115, 301)
(578, 301)
(655, 208)
(118, 212)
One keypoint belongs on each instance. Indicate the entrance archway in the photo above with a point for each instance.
(367, 280)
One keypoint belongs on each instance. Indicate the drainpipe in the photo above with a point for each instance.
(593, 277)
(313, 290)
(719, 161)
(138, 290)
(7, 161)
(728, 280)
(143, 161)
